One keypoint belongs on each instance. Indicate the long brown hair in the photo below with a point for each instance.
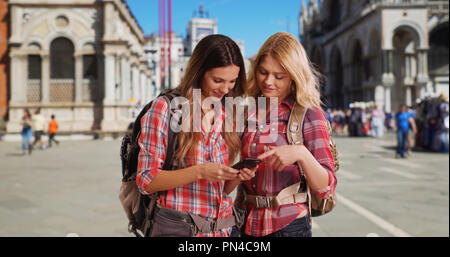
(211, 52)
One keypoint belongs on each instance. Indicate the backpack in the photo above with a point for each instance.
(317, 205)
(138, 207)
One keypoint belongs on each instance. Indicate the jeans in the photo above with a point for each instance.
(26, 140)
(402, 139)
(298, 228)
(377, 131)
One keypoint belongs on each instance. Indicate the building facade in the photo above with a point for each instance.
(81, 60)
(387, 51)
(171, 77)
(199, 26)
(4, 59)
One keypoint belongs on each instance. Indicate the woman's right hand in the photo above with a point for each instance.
(216, 172)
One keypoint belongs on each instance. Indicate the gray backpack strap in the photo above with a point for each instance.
(295, 137)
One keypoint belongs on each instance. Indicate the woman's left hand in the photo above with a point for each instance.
(282, 156)
(246, 174)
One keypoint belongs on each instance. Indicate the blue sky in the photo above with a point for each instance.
(250, 20)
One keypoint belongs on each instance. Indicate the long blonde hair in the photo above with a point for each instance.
(288, 51)
(211, 52)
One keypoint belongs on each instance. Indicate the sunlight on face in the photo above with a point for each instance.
(219, 81)
(273, 80)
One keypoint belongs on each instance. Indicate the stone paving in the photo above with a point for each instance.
(73, 188)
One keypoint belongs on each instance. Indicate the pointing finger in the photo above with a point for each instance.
(266, 154)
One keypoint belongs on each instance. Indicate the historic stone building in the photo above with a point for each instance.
(82, 60)
(387, 51)
(4, 60)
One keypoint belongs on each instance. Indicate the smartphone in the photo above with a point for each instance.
(248, 163)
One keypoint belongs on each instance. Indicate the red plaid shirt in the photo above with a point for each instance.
(264, 221)
(202, 197)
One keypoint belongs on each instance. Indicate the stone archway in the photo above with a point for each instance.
(357, 71)
(405, 42)
(438, 59)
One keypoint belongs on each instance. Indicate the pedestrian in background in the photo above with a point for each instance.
(26, 132)
(376, 122)
(348, 114)
(282, 70)
(403, 121)
(52, 128)
(411, 134)
(38, 128)
(441, 138)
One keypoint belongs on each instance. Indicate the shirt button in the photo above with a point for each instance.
(254, 144)
(254, 186)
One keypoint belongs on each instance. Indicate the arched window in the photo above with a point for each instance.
(62, 62)
(62, 70)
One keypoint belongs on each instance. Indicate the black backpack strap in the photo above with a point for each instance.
(168, 161)
(170, 147)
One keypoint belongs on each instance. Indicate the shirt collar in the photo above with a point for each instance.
(289, 101)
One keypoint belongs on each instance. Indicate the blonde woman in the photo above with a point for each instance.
(282, 71)
(192, 201)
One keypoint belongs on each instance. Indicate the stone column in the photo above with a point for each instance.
(135, 82)
(143, 88)
(16, 23)
(78, 78)
(387, 78)
(379, 96)
(422, 67)
(408, 96)
(387, 99)
(45, 78)
(18, 79)
(109, 78)
(118, 79)
(18, 92)
(388, 75)
(125, 73)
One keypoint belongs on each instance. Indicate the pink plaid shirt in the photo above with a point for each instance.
(202, 197)
(264, 221)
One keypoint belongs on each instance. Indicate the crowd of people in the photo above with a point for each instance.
(35, 124)
(428, 130)
(431, 115)
(361, 119)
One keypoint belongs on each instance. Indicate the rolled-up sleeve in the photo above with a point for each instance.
(317, 141)
(152, 142)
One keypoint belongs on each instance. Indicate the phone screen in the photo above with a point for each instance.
(248, 163)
